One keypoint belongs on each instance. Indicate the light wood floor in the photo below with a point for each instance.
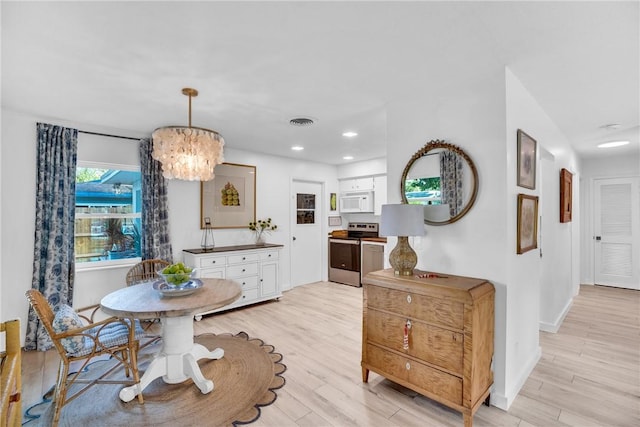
(589, 374)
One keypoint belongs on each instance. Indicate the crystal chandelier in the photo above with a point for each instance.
(188, 153)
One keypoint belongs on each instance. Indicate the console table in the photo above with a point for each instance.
(254, 267)
(432, 333)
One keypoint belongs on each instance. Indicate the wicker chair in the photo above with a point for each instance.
(145, 270)
(113, 337)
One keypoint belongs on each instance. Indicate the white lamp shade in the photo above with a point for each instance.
(402, 220)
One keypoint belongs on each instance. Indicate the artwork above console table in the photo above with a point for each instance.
(254, 267)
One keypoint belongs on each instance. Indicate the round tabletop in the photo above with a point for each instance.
(143, 302)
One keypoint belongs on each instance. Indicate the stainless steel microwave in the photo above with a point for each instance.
(357, 202)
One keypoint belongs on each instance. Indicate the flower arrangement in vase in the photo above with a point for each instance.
(260, 228)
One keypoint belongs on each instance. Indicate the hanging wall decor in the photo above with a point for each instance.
(526, 161)
(527, 223)
(229, 200)
(566, 181)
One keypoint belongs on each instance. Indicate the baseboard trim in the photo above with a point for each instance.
(553, 327)
(504, 401)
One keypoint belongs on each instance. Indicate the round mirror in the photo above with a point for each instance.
(443, 178)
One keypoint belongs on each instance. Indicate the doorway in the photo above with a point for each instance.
(617, 232)
(308, 248)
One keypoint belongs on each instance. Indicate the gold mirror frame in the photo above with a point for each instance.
(434, 145)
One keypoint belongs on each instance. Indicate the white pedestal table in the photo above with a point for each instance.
(177, 361)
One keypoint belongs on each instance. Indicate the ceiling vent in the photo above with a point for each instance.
(301, 121)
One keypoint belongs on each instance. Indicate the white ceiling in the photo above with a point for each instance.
(259, 64)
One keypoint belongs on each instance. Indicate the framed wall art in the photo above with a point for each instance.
(526, 161)
(527, 223)
(566, 181)
(333, 201)
(229, 199)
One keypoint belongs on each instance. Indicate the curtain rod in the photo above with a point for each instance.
(106, 134)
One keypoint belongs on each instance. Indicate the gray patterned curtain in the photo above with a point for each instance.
(451, 180)
(155, 207)
(53, 255)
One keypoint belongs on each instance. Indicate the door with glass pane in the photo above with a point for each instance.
(617, 232)
(307, 242)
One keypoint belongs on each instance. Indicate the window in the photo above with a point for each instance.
(108, 222)
(423, 191)
(305, 208)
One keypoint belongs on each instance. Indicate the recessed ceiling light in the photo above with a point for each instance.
(350, 134)
(297, 148)
(613, 144)
(347, 158)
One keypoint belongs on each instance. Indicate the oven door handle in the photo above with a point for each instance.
(345, 241)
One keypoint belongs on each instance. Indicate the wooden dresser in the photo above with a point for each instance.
(433, 335)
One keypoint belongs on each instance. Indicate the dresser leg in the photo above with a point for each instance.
(487, 401)
(365, 375)
(468, 420)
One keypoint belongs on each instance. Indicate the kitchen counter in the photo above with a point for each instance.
(382, 240)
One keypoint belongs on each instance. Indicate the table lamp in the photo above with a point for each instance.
(402, 220)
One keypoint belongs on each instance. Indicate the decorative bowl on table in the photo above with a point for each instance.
(178, 276)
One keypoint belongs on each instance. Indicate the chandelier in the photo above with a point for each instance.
(188, 153)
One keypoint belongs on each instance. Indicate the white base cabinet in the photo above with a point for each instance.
(254, 267)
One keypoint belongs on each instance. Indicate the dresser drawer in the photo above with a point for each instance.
(446, 386)
(212, 261)
(429, 309)
(249, 282)
(248, 295)
(268, 255)
(237, 259)
(434, 345)
(240, 270)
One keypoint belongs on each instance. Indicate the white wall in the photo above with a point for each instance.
(605, 166)
(525, 289)
(474, 120)
(483, 120)
(17, 177)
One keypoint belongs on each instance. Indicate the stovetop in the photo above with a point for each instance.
(358, 230)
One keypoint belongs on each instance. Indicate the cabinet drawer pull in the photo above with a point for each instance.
(405, 335)
(408, 366)
(409, 299)
(243, 270)
(244, 257)
(213, 262)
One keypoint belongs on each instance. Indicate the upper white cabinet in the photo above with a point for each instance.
(380, 187)
(356, 184)
(376, 183)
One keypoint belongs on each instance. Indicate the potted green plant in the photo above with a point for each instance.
(118, 242)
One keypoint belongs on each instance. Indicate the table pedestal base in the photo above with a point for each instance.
(177, 360)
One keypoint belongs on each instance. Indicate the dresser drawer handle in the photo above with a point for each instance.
(244, 257)
(408, 366)
(409, 299)
(213, 262)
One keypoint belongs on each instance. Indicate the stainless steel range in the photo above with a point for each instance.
(344, 253)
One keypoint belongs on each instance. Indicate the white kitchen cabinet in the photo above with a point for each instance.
(380, 188)
(254, 267)
(356, 184)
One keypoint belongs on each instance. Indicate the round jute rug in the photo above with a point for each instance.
(245, 379)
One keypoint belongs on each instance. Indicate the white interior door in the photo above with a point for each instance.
(617, 232)
(307, 243)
